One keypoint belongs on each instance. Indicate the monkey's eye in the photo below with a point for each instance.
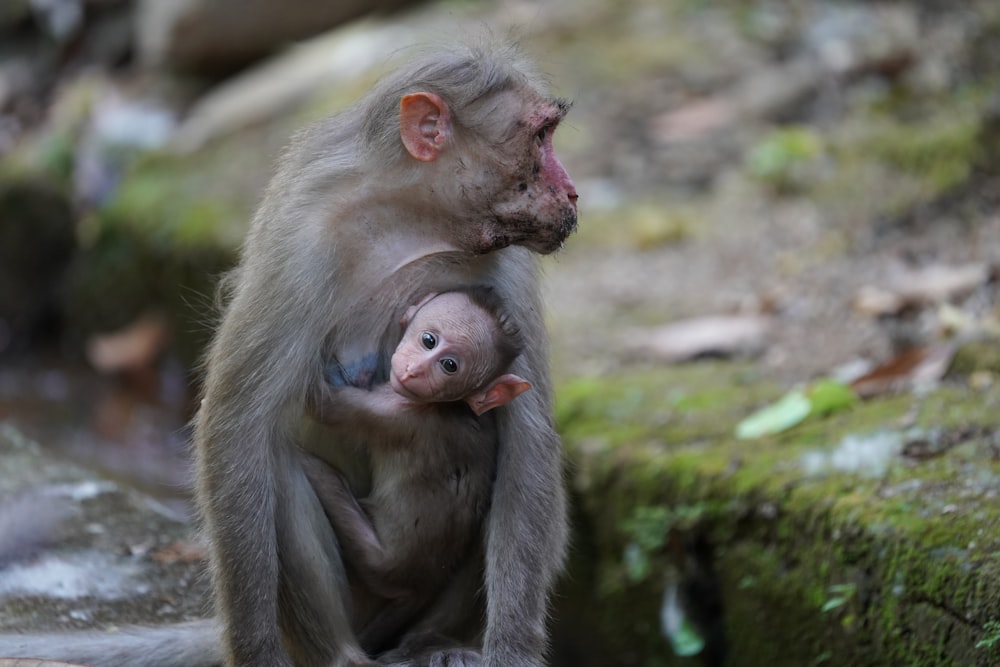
(449, 365)
(428, 340)
(541, 134)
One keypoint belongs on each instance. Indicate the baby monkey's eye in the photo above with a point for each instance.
(428, 340)
(449, 365)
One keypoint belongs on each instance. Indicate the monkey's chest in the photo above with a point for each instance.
(459, 489)
(363, 337)
(433, 497)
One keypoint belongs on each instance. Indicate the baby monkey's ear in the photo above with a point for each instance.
(503, 391)
(407, 317)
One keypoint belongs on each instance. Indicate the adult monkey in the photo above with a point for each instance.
(426, 185)
(443, 175)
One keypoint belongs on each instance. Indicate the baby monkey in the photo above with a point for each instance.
(433, 458)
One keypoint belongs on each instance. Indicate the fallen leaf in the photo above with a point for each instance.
(909, 288)
(181, 551)
(827, 396)
(876, 301)
(677, 626)
(821, 398)
(788, 411)
(136, 346)
(916, 366)
(722, 335)
(940, 282)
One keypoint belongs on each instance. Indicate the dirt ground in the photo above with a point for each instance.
(678, 221)
(742, 265)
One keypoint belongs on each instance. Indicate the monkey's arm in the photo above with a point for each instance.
(275, 557)
(380, 410)
(527, 528)
(358, 538)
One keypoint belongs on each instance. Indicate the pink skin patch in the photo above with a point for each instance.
(554, 173)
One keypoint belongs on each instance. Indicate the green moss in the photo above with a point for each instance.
(783, 158)
(880, 165)
(976, 356)
(940, 153)
(915, 545)
(178, 203)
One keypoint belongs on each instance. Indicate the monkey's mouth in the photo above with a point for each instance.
(569, 222)
(399, 387)
(567, 225)
(528, 232)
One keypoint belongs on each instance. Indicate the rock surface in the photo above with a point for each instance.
(80, 551)
(223, 35)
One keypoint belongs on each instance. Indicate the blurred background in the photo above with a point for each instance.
(808, 188)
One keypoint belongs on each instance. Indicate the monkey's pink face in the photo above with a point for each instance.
(537, 206)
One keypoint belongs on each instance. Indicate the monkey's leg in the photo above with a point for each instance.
(359, 542)
(314, 602)
(390, 622)
(450, 631)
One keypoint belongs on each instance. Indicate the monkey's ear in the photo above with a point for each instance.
(424, 125)
(504, 390)
(412, 310)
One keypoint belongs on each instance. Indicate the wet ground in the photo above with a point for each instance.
(133, 432)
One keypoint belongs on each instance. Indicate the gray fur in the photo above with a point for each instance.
(194, 644)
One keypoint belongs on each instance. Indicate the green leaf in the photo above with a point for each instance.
(686, 641)
(676, 627)
(828, 396)
(791, 409)
(832, 603)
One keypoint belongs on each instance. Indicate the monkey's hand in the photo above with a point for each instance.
(449, 657)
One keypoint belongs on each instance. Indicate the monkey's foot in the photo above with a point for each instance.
(456, 657)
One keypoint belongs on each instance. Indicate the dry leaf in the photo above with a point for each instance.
(914, 367)
(136, 346)
(714, 335)
(918, 287)
(181, 551)
(875, 301)
(940, 282)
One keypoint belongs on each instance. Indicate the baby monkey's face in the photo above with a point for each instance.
(445, 351)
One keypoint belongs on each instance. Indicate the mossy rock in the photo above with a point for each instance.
(981, 356)
(779, 560)
(158, 246)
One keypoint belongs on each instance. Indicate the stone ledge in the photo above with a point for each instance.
(776, 560)
(81, 551)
